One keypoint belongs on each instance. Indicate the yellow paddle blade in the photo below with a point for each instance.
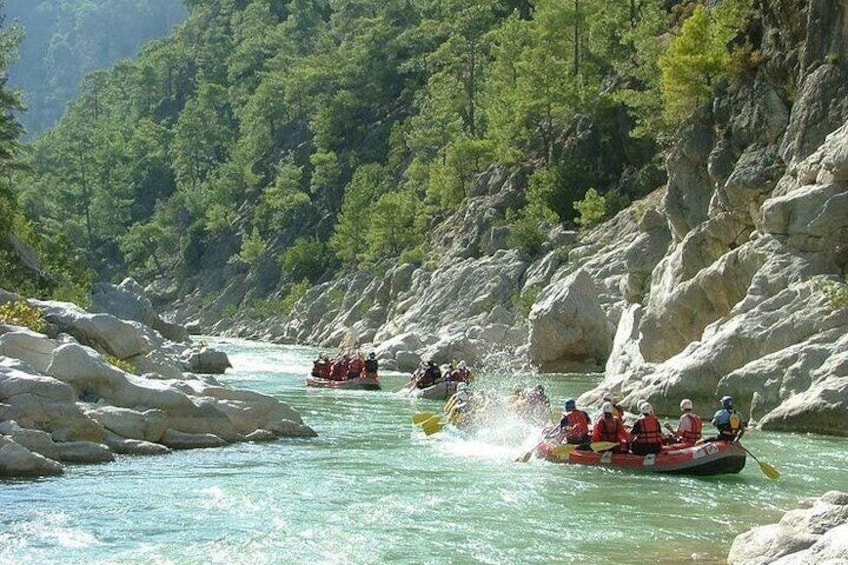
(563, 450)
(769, 471)
(432, 426)
(420, 417)
(602, 445)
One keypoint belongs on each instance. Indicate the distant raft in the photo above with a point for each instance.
(712, 458)
(442, 390)
(362, 382)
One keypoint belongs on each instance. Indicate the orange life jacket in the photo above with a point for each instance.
(695, 423)
(609, 429)
(647, 430)
(578, 425)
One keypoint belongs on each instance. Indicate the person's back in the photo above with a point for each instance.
(728, 422)
(371, 365)
(609, 428)
(430, 376)
(646, 436)
(575, 423)
(689, 425)
(355, 368)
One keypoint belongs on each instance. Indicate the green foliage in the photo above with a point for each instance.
(253, 249)
(835, 292)
(122, 364)
(363, 190)
(592, 209)
(294, 295)
(344, 127)
(394, 226)
(22, 314)
(698, 57)
(307, 259)
(523, 302)
(526, 233)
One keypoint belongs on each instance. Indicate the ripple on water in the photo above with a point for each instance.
(371, 488)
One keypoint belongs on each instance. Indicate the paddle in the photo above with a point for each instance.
(566, 448)
(420, 417)
(525, 457)
(432, 426)
(767, 469)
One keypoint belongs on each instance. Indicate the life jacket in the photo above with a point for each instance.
(577, 422)
(693, 435)
(729, 424)
(610, 429)
(463, 375)
(647, 430)
(339, 370)
(356, 366)
(318, 368)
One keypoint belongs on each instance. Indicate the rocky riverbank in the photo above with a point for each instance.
(93, 385)
(815, 533)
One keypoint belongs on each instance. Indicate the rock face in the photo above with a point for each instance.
(62, 400)
(815, 533)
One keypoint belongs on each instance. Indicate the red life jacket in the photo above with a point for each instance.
(339, 370)
(578, 425)
(647, 430)
(695, 423)
(609, 429)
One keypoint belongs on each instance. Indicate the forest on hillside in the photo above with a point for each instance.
(64, 40)
(303, 137)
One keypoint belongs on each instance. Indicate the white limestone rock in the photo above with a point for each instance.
(17, 461)
(567, 324)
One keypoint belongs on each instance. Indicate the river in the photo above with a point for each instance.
(373, 489)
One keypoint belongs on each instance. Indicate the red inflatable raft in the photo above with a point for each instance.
(361, 382)
(713, 458)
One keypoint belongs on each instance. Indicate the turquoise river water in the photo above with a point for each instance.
(372, 489)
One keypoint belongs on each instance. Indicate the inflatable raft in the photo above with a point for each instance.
(712, 458)
(442, 390)
(361, 382)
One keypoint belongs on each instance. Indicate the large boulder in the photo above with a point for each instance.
(103, 331)
(568, 326)
(815, 533)
(128, 301)
(17, 461)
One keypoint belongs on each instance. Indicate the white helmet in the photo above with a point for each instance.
(646, 408)
(606, 408)
(607, 396)
(685, 404)
(461, 387)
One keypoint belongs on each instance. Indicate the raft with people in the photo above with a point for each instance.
(430, 382)
(710, 458)
(345, 372)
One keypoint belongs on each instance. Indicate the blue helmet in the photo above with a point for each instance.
(570, 404)
(727, 402)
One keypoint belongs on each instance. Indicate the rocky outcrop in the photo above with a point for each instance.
(63, 401)
(815, 533)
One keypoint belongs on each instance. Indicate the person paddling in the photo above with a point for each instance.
(729, 422)
(371, 366)
(574, 424)
(646, 436)
(689, 426)
(610, 428)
